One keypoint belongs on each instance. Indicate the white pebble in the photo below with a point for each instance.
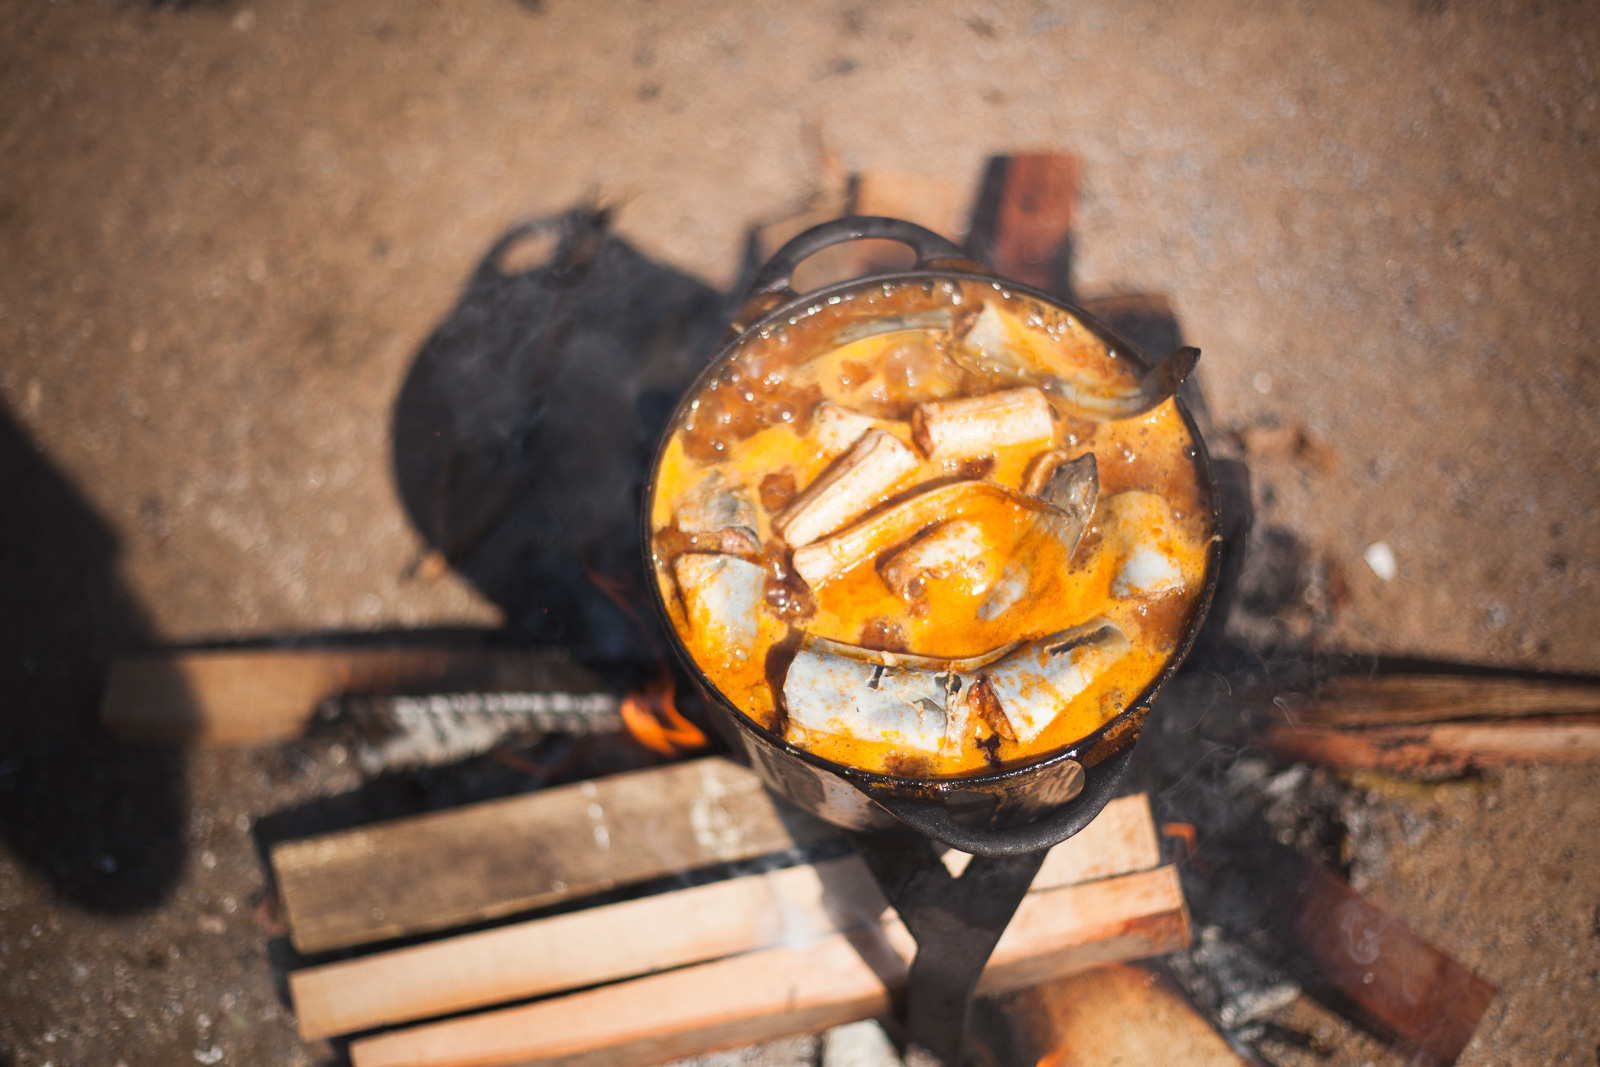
(1380, 557)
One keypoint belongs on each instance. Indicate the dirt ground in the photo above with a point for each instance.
(227, 232)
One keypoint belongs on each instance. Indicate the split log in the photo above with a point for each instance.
(484, 861)
(263, 695)
(1108, 1015)
(1392, 699)
(763, 995)
(1441, 749)
(657, 933)
(1023, 222)
(1363, 962)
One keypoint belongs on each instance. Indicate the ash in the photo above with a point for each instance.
(1266, 633)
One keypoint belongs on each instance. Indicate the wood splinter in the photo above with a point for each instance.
(981, 425)
(852, 485)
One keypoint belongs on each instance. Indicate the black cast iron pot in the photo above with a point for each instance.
(1017, 810)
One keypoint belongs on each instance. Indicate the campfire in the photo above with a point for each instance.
(624, 890)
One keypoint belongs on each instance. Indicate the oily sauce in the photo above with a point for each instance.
(749, 430)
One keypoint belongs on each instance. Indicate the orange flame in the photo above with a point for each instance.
(1183, 832)
(655, 722)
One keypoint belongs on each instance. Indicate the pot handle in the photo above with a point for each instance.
(774, 283)
(932, 820)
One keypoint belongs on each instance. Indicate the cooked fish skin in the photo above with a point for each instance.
(1036, 682)
(1110, 403)
(721, 597)
(878, 695)
(988, 346)
(714, 508)
(833, 694)
(1139, 528)
(933, 319)
(1071, 489)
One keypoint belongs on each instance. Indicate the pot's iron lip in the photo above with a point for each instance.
(893, 785)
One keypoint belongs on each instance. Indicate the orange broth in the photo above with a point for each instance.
(751, 422)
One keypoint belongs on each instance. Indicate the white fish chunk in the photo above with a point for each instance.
(992, 345)
(861, 477)
(1071, 488)
(875, 695)
(989, 347)
(1139, 528)
(835, 428)
(833, 694)
(713, 508)
(721, 595)
(956, 546)
(1036, 682)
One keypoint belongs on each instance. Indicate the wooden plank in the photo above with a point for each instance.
(1109, 1015)
(1447, 748)
(1365, 963)
(762, 995)
(1033, 218)
(1395, 699)
(656, 933)
(256, 696)
(445, 869)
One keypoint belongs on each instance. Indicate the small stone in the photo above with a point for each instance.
(1380, 557)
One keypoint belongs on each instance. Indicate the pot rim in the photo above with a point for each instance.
(873, 782)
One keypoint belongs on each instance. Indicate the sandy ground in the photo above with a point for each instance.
(226, 232)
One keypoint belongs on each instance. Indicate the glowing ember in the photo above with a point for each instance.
(654, 721)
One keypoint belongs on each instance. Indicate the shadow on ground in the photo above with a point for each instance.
(100, 821)
(523, 433)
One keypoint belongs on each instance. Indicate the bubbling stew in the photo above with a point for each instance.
(930, 529)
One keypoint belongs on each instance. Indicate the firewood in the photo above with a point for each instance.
(444, 869)
(762, 995)
(258, 696)
(1440, 749)
(1357, 958)
(656, 933)
(1108, 1015)
(1024, 216)
(1383, 700)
